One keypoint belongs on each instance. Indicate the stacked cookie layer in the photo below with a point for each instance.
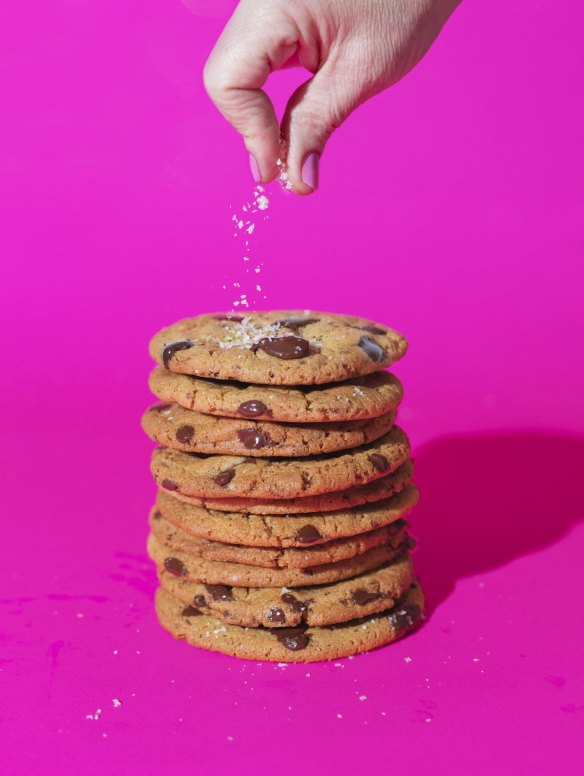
(278, 530)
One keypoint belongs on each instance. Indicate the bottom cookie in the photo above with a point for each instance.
(290, 645)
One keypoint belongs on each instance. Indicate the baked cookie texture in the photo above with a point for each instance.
(192, 474)
(291, 645)
(287, 347)
(192, 432)
(361, 397)
(279, 529)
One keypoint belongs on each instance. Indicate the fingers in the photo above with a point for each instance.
(250, 47)
(313, 113)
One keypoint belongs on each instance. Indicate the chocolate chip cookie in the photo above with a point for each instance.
(362, 397)
(277, 348)
(280, 530)
(311, 554)
(294, 645)
(214, 572)
(324, 502)
(224, 476)
(173, 426)
(373, 591)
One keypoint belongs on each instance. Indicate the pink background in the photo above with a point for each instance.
(450, 208)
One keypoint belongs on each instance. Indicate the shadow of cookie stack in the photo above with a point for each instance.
(278, 530)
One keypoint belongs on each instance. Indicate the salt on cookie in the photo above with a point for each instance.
(277, 348)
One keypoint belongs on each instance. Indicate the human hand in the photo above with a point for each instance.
(354, 49)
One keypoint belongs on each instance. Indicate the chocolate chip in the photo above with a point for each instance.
(253, 408)
(362, 597)
(190, 611)
(174, 347)
(373, 329)
(175, 567)
(404, 616)
(185, 434)
(293, 639)
(169, 485)
(219, 592)
(228, 317)
(308, 534)
(293, 602)
(200, 600)
(285, 347)
(254, 439)
(275, 614)
(372, 349)
(410, 543)
(225, 477)
(296, 323)
(380, 462)
(157, 515)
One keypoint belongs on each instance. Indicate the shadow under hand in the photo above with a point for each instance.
(488, 499)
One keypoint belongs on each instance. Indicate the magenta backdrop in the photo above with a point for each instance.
(451, 208)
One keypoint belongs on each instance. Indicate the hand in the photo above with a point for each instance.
(354, 48)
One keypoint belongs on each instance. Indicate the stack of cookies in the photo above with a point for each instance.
(278, 530)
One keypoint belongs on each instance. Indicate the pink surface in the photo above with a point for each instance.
(450, 208)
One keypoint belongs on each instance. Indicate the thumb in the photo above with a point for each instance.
(313, 113)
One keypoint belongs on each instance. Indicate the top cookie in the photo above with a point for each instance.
(277, 348)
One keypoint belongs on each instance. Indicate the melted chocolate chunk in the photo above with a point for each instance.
(161, 407)
(372, 349)
(157, 515)
(373, 329)
(285, 347)
(175, 567)
(296, 323)
(253, 408)
(308, 534)
(185, 434)
(293, 639)
(293, 602)
(199, 600)
(362, 597)
(225, 477)
(254, 439)
(228, 317)
(275, 614)
(380, 462)
(219, 592)
(404, 616)
(169, 485)
(174, 347)
(190, 611)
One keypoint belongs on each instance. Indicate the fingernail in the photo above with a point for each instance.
(310, 170)
(255, 170)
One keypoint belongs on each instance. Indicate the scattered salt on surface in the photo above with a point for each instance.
(408, 659)
(116, 703)
(362, 697)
